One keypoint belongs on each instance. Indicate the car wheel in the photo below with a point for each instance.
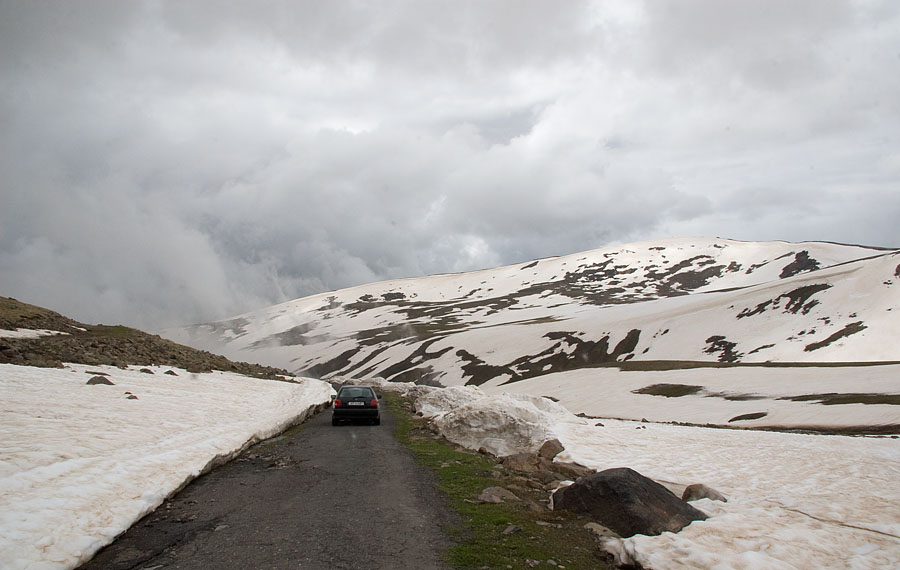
(334, 421)
(377, 421)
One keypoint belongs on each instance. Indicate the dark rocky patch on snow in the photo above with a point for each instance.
(834, 399)
(478, 371)
(748, 417)
(725, 348)
(848, 330)
(756, 266)
(405, 369)
(586, 354)
(410, 331)
(732, 397)
(669, 390)
(802, 263)
(331, 305)
(323, 369)
(797, 301)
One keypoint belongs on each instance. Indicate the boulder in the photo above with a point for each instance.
(572, 471)
(535, 463)
(700, 491)
(627, 503)
(497, 495)
(102, 380)
(523, 462)
(550, 449)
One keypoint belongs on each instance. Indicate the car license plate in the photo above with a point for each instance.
(356, 403)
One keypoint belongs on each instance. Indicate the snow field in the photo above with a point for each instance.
(794, 501)
(79, 464)
(609, 392)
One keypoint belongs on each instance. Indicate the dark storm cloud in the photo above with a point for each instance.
(167, 162)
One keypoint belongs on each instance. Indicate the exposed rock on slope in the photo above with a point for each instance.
(680, 299)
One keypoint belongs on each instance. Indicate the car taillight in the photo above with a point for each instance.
(374, 403)
(337, 404)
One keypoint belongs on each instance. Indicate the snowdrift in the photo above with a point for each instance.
(794, 501)
(79, 464)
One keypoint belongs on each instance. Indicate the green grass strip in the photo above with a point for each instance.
(481, 543)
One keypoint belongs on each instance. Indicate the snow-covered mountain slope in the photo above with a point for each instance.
(680, 299)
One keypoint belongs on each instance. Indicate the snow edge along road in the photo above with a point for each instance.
(79, 464)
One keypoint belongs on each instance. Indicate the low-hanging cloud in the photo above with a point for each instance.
(173, 162)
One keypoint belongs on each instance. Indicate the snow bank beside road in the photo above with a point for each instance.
(79, 463)
(502, 424)
(794, 501)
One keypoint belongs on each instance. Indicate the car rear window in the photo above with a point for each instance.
(356, 393)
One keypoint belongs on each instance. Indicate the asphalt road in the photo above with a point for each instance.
(347, 497)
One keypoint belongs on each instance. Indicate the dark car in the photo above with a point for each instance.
(356, 403)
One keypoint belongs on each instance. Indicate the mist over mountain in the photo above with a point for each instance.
(690, 299)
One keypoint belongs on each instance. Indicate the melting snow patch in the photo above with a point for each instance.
(502, 424)
(28, 333)
(436, 401)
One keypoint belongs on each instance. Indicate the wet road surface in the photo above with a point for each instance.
(320, 498)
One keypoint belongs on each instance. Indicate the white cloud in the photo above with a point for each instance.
(172, 161)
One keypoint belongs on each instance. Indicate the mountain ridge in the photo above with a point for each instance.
(595, 308)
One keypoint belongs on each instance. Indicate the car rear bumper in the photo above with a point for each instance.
(354, 413)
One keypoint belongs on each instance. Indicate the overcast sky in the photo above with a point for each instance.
(163, 163)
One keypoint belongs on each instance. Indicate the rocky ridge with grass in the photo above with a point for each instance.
(65, 340)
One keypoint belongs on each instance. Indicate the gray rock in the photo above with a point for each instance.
(627, 503)
(101, 380)
(571, 470)
(524, 462)
(600, 530)
(497, 495)
(700, 491)
(550, 449)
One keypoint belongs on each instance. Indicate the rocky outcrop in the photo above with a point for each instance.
(628, 503)
(550, 449)
(541, 466)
